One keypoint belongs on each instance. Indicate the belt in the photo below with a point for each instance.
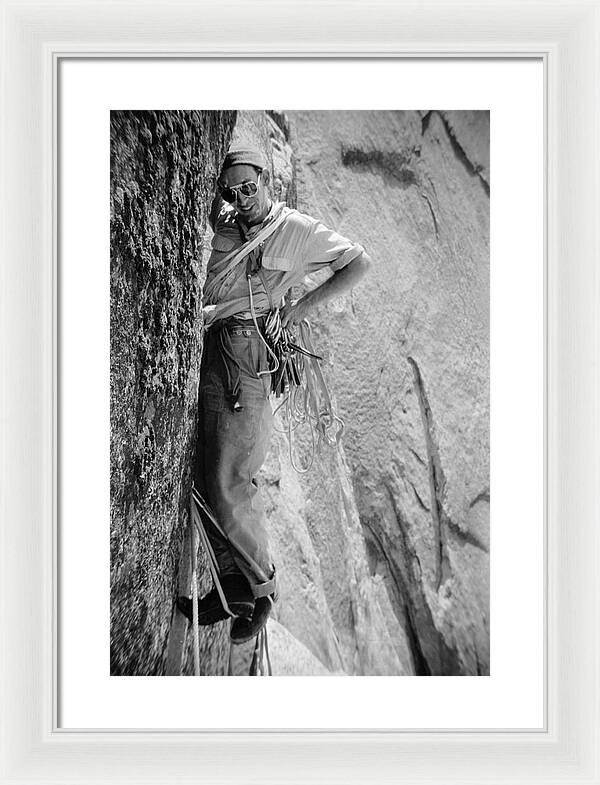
(238, 326)
(241, 330)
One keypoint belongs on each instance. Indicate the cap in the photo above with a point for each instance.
(237, 156)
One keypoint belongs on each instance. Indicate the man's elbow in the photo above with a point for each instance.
(350, 275)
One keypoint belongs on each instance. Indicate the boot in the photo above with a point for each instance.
(210, 609)
(244, 629)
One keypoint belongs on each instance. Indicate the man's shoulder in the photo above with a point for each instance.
(295, 218)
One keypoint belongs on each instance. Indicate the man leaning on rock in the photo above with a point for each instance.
(260, 250)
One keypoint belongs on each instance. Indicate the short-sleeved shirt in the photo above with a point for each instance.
(301, 245)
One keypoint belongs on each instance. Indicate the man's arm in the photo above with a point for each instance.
(340, 282)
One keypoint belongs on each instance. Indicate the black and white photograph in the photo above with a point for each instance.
(300, 392)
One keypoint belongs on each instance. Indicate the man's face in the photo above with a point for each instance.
(252, 209)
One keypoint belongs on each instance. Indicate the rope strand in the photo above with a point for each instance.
(195, 628)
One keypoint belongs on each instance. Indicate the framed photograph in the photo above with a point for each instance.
(424, 189)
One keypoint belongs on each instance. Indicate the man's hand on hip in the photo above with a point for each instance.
(340, 282)
(293, 312)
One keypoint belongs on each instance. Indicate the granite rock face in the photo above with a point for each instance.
(409, 360)
(162, 170)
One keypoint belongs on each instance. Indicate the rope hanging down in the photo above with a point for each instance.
(261, 661)
(300, 380)
(261, 649)
(293, 366)
(198, 529)
(194, 579)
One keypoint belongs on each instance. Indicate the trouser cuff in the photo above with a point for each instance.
(264, 589)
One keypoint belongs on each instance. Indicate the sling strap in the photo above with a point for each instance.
(229, 263)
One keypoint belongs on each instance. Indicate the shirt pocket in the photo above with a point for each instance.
(281, 263)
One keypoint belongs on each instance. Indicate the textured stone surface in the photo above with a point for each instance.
(410, 359)
(162, 165)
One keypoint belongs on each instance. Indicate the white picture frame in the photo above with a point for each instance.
(566, 35)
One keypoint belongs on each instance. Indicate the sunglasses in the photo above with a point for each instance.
(247, 188)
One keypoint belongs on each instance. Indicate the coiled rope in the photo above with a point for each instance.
(307, 400)
(293, 366)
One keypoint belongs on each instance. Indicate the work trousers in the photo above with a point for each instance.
(234, 431)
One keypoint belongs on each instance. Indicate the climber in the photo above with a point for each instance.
(260, 250)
